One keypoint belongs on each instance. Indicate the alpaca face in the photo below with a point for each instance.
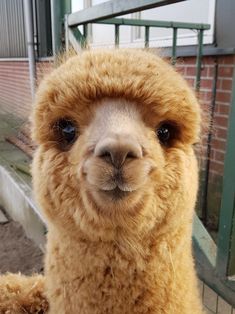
(115, 143)
(116, 146)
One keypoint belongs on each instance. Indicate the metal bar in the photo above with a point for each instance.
(199, 60)
(226, 235)
(28, 16)
(153, 23)
(66, 29)
(174, 43)
(204, 194)
(205, 250)
(85, 30)
(117, 36)
(76, 39)
(58, 11)
(146, 42)
(204, 241)
(114, 8)
(55, 26)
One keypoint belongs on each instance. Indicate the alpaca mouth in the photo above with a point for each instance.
(116, 193)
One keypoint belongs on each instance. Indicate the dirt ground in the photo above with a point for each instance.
(17, 252)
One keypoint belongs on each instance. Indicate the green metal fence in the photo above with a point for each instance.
(215, 264)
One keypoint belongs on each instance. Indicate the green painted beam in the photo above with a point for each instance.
(205, 252)
(58, 11)
(226, 236)
(85, 30)
(146, 41)
(114, 8)
(153, 23)
(199, 60)
(174, 45)
(204, 241)
(117, 35)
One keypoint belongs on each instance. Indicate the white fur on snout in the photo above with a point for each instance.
(98, 174)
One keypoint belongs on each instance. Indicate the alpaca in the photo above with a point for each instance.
(116, 176)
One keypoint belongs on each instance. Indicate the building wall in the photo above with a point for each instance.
(220, 69)
(15, 95)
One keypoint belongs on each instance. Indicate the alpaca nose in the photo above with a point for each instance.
(118, 150)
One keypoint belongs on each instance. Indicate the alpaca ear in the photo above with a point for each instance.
(22, 294)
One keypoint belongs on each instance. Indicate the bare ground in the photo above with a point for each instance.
(17, 252)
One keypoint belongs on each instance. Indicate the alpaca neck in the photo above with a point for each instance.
(103, 275)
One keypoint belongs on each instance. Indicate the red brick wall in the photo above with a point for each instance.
(225, 66)
(15, 95)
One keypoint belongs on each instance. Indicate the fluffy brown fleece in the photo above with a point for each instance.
(20, 294)
(119, 237)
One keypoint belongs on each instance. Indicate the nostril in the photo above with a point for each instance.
(117, 157)
(106, 155)
(118, 151)
(131, 155)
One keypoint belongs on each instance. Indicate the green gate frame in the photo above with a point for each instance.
(215, 264)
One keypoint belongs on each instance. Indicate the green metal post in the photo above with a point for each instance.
(173, 59)
(199, 59)
(117, 36)
(114, 8)
(153, 23)
(85, 36)
(146, 44)
(85, 31)
(58, 10)
(226, 236)
(66, 7)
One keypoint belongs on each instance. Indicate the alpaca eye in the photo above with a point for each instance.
(164, 133)
(66, 131)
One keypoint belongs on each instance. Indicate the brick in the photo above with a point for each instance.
(218, 144)
(225, 71)
(219, 156)
(191, 71)
(226, 84)
(221, 120)
(219, 83)
(210, 72)
(223, 96)
(223, 109)
(221, 133)
(227, 60)
(217, 167)
(206, 83)
(205, 96)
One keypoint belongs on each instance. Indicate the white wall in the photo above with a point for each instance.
(192, 11)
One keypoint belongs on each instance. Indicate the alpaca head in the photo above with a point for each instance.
(115, 131)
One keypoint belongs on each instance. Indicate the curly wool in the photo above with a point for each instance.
(20, 294)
